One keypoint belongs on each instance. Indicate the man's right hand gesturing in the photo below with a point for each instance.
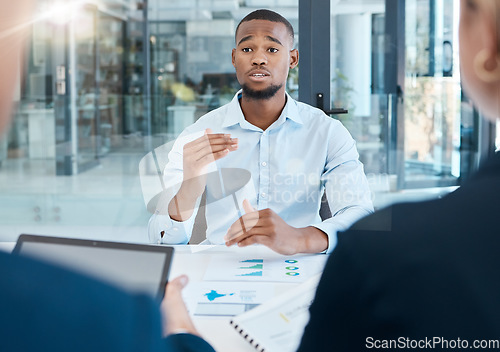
(197, 155)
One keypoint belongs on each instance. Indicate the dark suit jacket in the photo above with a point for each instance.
(415, 270)
(45, 308)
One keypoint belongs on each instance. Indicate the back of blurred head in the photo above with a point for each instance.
(480, 54)
(14, 23)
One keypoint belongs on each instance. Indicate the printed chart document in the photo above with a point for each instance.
(225, 299)
(278, 324)
(295, 269)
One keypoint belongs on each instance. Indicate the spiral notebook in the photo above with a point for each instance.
(278, 324)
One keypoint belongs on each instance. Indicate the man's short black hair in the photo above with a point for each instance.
(267, 15)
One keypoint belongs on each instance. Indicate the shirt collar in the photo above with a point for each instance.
(235, 114)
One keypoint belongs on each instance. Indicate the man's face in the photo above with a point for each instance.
(262, 57)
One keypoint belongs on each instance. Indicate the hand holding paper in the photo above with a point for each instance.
(175, 315)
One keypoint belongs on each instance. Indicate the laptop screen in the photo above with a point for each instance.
(133, 267)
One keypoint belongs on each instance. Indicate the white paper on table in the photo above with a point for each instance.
(295, 269)
(224, 298)
(278, 324)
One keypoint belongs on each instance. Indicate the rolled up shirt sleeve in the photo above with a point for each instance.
(346, 186)
(339, 223)
(162, 229)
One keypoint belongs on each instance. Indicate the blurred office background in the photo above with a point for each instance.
(105, 82)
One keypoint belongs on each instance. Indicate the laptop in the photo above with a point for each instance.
(136, 268)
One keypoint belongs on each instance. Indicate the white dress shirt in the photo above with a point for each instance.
(289, 166)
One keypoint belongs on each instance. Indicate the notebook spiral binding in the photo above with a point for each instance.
(249, 339)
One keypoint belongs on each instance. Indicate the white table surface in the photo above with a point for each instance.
(192, 261)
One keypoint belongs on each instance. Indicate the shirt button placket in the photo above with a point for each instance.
(264, 177)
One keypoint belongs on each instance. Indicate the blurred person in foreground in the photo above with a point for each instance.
(425, 275)
(46, 308)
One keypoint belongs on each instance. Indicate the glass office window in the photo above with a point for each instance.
(356, 77)
(432, 93)
(358, 86)
(103, 85)
(395, 69)
(191, 69)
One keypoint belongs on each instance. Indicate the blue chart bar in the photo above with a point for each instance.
(256, 266)
(255, 273)
(253, 261)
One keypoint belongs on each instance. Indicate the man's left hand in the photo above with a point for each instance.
(268, 228)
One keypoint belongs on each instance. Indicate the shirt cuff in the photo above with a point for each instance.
(179, 232)
(164, 230)
(331, 232)
(157, 225)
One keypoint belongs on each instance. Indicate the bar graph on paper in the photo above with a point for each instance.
(257, 269)
(291, 269)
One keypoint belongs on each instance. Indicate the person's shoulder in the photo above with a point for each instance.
(383, 238)
(395, 222)
(38, 272)
(215, 116)
(317, 118)
(213, 119)
(401, 216)
(381, 220)
(309, 110)
(410, 223)
(57, 306)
